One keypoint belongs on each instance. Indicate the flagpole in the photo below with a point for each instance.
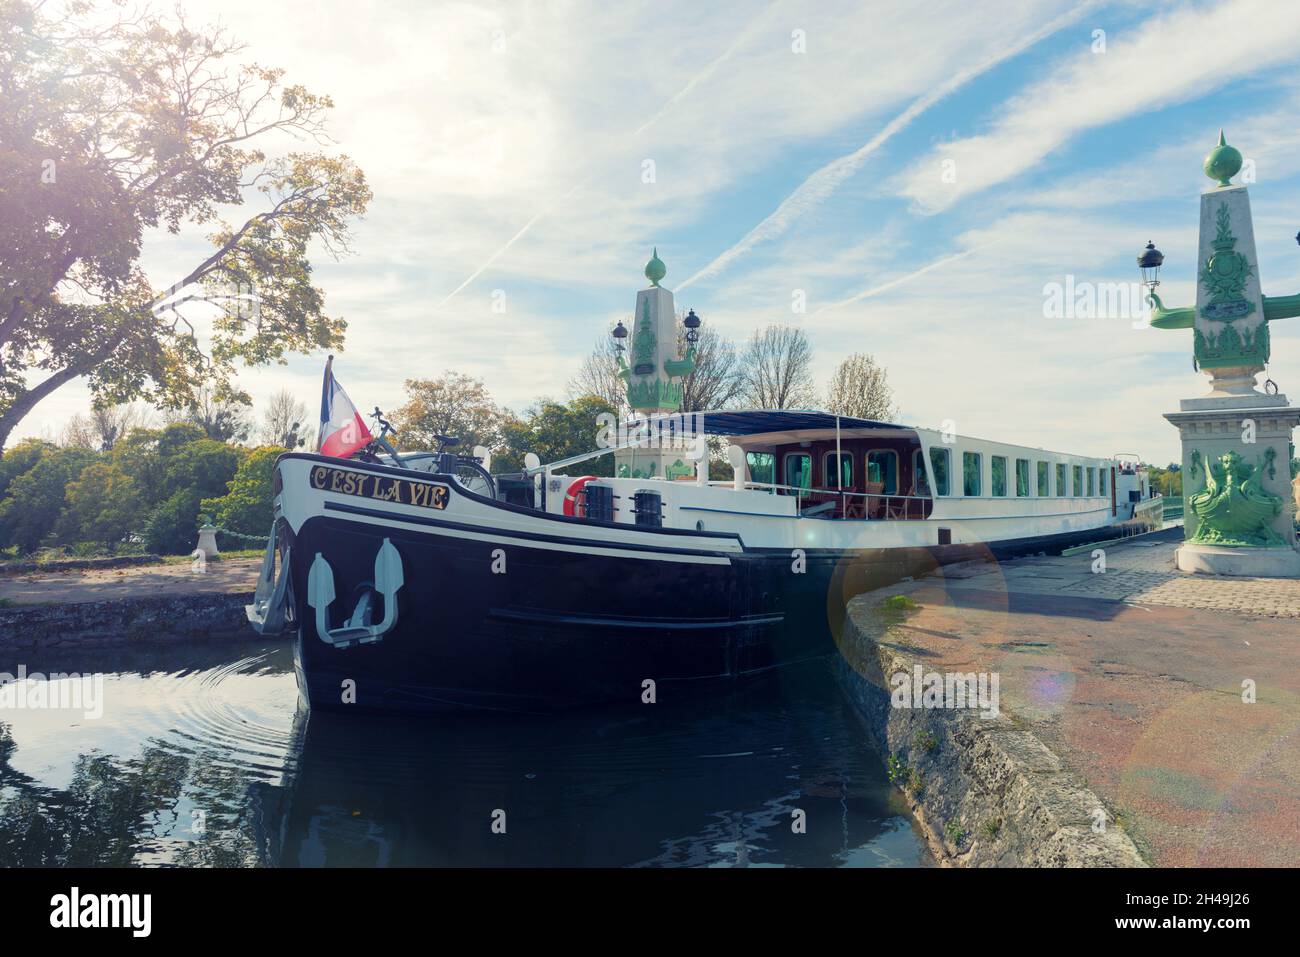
(324, 400)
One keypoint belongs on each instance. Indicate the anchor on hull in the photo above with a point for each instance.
(389, 578)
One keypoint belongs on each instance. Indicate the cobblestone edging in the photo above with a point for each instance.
(78, 564)
(986, 792)
(125, 621)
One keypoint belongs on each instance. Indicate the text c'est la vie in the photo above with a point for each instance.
(382, 488)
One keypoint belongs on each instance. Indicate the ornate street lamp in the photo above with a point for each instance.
(692, 324)
(619, 334)
(1149, 263)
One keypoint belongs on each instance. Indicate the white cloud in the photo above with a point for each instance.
(474, 154)
(1182, 55)
(818, 187)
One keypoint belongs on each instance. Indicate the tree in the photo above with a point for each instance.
(150, 485)
(247, 505)
(599, 376)
(456, 405)
(19, 460)
(146, 454)
(554, 431)
(223, 420)
(102, 504)
(284, 423)
(715, 382)
(113, 422)
(153, 487)
(1168, 480)
(103, 427)
(860, 388)
(198, 470)
(34, 500)
(79, 433)
(127, 122)
(776, 369)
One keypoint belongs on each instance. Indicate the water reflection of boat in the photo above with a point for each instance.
(698, 785)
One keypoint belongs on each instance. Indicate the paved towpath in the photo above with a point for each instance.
(1142, 572)
(1135, 677)
(228, 576)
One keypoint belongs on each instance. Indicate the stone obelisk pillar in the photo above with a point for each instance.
(1238, 504)
(653, 373)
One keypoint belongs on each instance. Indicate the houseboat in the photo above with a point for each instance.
(414, 586)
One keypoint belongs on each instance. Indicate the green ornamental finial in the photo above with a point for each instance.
(655, 270)
(1223, 163)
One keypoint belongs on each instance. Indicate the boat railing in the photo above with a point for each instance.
(848, 504)
(547, 468)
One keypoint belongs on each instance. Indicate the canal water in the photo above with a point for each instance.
(202, 757)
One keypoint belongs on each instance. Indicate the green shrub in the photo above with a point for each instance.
(34, 498)
(246, 506)
(895, 769)
(915, 782)
(172, 527)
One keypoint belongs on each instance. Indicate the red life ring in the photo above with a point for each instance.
(571, 497)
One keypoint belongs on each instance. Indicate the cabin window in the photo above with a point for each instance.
(882, 467)
(1092, 481)
(920, 481)
(1102, 487)
(1044, 480)
(846, 470)
(999, 463)
(762, 467)
(1022, 477)
(972, 466)
(940, 459)
(798, 470)
(1077, 488)
(1060, 480)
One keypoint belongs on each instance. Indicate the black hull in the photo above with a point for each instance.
(563, 627)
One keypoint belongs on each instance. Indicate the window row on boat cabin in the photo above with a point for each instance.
(901, 463)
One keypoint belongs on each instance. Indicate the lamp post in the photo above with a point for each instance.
(692, 324)
(1149, 263)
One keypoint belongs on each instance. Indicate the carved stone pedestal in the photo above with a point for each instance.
(1238, 507)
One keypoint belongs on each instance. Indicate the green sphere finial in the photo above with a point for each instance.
(1223, 163)
(655, 270)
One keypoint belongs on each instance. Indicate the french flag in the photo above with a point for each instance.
(342, 430)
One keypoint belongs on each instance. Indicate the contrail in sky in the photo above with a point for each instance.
(893, 283)
(510, 242)
(672, 101)
(817, 187)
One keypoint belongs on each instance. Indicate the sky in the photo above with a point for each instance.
(899, 179)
